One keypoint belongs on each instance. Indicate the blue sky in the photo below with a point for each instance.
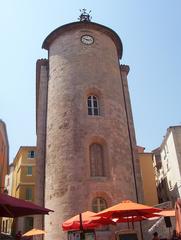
(151, 36)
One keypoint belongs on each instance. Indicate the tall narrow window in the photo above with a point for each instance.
(29, 171)
(28, 223)
(93, 106)
(29, 194)
(99, 204)
(96, 160)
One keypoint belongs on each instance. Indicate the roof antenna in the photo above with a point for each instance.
(84, 16)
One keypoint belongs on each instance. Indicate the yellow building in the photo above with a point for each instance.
(4, 157)
(24, 178)
(148, 177)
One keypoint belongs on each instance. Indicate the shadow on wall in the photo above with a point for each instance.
(164, 226)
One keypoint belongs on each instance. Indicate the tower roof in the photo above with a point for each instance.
(88, 25)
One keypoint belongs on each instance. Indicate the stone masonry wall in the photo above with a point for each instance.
(75, 71)
(41, 109)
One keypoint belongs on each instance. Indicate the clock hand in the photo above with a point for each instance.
(86, 38)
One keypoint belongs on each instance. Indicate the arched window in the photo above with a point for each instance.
(96, 160)
(99, 204)
(93, 106)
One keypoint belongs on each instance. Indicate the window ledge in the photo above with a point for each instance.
(95, 116)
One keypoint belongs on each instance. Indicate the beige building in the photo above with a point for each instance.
(148, 177)
(23, 185)
(7, 222)
(85, 133)
(167, 160)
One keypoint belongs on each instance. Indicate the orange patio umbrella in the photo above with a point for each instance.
(166, 213)
(85, 220)
(128, 208)
(34, 232)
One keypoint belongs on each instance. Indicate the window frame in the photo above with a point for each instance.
(29, 173)
(93, 106)
(96, 206)
(31, 154)
(29, 194)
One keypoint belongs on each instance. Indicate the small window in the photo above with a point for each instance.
(31, 154)
(29, 171)
(93, 106)
(28, 223)
(29, 194)
(99, 204)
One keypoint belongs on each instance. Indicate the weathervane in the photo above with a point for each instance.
(84, 16)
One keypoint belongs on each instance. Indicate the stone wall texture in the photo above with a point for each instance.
(41, 111)
(75, 71)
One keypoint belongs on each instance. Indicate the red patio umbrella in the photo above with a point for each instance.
(137, 218)
(15, 207)
(163, 213)
(87, 220)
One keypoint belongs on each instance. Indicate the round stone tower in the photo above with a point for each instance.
(90, 145)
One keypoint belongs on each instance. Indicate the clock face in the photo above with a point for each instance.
(87, 39)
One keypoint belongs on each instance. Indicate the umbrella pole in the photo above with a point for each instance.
(141, 230)
(128, 223)
(169, 229)
(81, 227)
(132, 223)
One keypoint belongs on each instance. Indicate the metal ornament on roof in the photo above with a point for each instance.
(84, 16)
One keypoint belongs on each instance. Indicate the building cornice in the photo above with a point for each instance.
(28, 164)
(39, 64)
(24, 184)
(169, 130)
(20, 150)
